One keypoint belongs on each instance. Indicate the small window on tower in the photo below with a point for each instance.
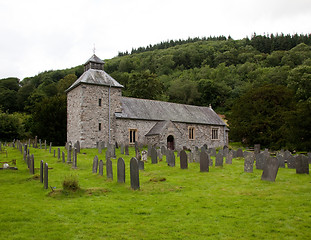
(99, 102)
(99, 126)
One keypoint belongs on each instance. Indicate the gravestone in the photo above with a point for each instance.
(229, 158)
(138, 156)
(281, 161)
(134, 173)
(36, 142)
(204, 162)
(226, 152)
(141, 165)
(291, 162)
(240, 153)
(45, 145)
(190, 157)
(196, 156)
(219, 159)
(154, 158)
(256, 148)
(260, 160)
(122, 149)
(270, 169)
(144, 155)
(40, 144)
(287, 154)
(149, 150)
(183, 160)
(28, 161)
(159, 154)
(100, 147)
(46, 176)
(75, 158)
(95, 164)
(126, 148)
(78, 147)
(50, 147)
(163, 150)
(32, 165)
(58, 153)
(212, 152)
(210, 161)
(69, 154)
(25, 156)
(121, 170)
(109, 169)
(248, 163)
(302, 164)
(170, 157)
(63, 156)
(101, 168)
(41, 171)
(234, 154)
(54, 153)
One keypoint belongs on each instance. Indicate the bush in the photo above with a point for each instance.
(71, 183)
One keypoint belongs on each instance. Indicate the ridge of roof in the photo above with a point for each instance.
(95, 59)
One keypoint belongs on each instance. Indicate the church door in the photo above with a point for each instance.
(170, 142)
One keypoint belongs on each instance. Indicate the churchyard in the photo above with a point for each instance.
(224, 198)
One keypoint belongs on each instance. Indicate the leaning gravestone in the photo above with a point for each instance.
(121, 170)
(219, 159)
(248, 163)
(134, 173)
(95, 164)
(302, 164)
(101, 168)
(229, 158)
(183, 160)
(41, 171)
(204, 162)
(281, 161)
(154, 158)
(270, 169)
(291, 162)
(46, 176)
(126, 148)
(109, 169)
(170, 156)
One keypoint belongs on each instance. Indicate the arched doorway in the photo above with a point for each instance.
(170, 142)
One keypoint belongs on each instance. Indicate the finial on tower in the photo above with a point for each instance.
(94, 49)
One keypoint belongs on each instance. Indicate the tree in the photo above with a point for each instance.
(259, 116)
(12, 126)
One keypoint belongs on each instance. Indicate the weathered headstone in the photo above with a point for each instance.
(32, 165)
(219, 159)
(95, 164)
(101, 168)
(58, 153)
(163, 150)
(256, 148)
(121, 170)
(190, 157)
(302, 164)
(144, 156)
(46, 176)
(270, 169)
(100, 147)
(196, 155)
(78, 147)
(281, 161)
(75, 158)
(229, 158)
(50, 147)
(240, 153)
(225, 151)
(141, 165)
(183, 160)
(204, 162)
(248, 163)
(54, 153)
(63, 157)
(291, 162)
(149, 150)
(41, 171)
(109, 169)
(154, 158)
(260, 160)
(159, 154)
(126, 148)
(69, 154)
(134, 173)
(170, 157)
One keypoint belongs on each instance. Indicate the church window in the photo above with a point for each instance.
(99, 126)
(215, 134)
(133, 135)
(99, 102)
(191, 133)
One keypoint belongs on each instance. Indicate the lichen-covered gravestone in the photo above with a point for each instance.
(134, 173)
(183, 160)
(204, 162)
(229, 158)
(95, 164)
(170, 157)
(154, 158)
(291, 162)
(121, 170)
(248, 163)
(101, 168)
(270, 169)
(260, 160)
(281, 161)
(219, 159)
(240, 153)
(302, 164)
(256, 148)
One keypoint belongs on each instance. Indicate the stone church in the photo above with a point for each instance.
(97, 111)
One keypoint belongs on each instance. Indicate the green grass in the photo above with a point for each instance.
(225, 203)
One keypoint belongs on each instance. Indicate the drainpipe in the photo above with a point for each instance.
(109, 134)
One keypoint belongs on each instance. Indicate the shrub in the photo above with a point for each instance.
(71, 183)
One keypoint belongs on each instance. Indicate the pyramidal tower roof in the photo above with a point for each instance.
(94, 74)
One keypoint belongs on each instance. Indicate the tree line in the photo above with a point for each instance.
(220, 71)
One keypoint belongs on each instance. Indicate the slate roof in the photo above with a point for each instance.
(95, 59)
(96, 77)
(143, 109)
(157, 128)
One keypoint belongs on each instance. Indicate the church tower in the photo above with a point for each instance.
(92, 102)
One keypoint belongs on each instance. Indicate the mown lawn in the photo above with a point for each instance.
(225, 203)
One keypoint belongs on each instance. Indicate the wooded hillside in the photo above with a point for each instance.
(217, 70)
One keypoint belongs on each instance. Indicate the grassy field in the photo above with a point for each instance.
(225, 203)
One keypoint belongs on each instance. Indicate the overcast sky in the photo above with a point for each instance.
(40, 35)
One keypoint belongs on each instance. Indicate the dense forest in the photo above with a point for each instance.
(261, 84)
